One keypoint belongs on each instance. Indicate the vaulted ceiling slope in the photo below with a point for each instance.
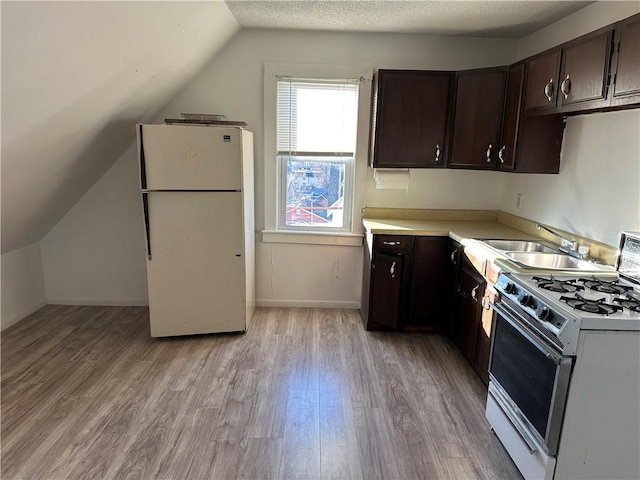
(485, 18)
(76, 78)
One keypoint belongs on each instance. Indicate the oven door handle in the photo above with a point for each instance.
(527, 333)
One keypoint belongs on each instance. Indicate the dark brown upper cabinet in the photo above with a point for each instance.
(511, 117)
(410, 111)
(584, 73)
(626, 79)
(477, 118)
(596, 72)
(542, 82)
(529, 144)
(571, 77)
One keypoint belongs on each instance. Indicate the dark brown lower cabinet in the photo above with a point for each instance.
(483, 344)
(386, 290)
(429, 305)
(405, 283)
(467, 312)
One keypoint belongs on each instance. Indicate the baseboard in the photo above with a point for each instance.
(23, 314)
(307, 303)
(129, 302)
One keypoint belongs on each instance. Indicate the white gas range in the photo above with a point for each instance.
(564, 391)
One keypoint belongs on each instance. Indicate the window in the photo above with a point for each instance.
(316, 142)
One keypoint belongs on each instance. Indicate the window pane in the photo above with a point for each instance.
(316, 117)
(315, 189)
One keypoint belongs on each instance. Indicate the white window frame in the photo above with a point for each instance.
(274, 232)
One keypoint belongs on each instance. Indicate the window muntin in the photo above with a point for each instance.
(316, 139)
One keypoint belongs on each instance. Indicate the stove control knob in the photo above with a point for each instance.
(543, 313)
(525, 299)
(510, 288)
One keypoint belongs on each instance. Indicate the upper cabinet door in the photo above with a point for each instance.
(512, 104)
(410, 114)
(626, 88)
(542, 82)
(478, 118)
(584, 72)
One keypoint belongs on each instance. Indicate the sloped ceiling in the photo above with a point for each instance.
(76, 78)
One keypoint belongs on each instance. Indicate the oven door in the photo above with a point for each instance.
(530, 378)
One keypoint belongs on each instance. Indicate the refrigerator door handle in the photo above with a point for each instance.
(143, 165)
(145, 208)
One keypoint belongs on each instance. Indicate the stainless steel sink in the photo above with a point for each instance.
(541, 256)
(519, 246)
(554, 261)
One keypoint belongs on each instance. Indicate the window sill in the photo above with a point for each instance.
(313, 238)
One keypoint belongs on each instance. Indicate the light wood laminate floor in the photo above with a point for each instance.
(305, 394)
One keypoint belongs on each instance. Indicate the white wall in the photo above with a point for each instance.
(22, 284)
(596, 194)
(293, 274)
(95, 254)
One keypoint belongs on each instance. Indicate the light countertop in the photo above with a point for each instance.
(466, 232)
(459, 230)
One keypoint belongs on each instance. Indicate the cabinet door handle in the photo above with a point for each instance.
(461, 293)
(474, 293)
(486, 303)
(489, 153)
(437, 152)
(453, 256)
(393, 244)
(500, 152)
(548, 90)
(392, 270)
(565, 87)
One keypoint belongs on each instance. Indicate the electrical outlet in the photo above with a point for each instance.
(519, 198)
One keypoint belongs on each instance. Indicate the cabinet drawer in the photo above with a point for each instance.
(392, 243)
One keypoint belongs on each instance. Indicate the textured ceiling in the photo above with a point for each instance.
(503, 19)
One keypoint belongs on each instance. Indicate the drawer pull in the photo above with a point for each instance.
(392, 244)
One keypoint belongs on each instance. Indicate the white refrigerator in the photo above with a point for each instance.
(197, 192)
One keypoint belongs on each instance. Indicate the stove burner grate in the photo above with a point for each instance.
(591, 306)
(555, 285)
(630, 302)
(605, 286)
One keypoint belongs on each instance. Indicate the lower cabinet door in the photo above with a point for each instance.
(429, 305)
(468, 312)
(483, 345)
(386, 290)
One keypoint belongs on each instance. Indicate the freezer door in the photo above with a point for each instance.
(190, 157)
(196, 272)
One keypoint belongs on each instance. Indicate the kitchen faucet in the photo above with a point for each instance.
(567, 246)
